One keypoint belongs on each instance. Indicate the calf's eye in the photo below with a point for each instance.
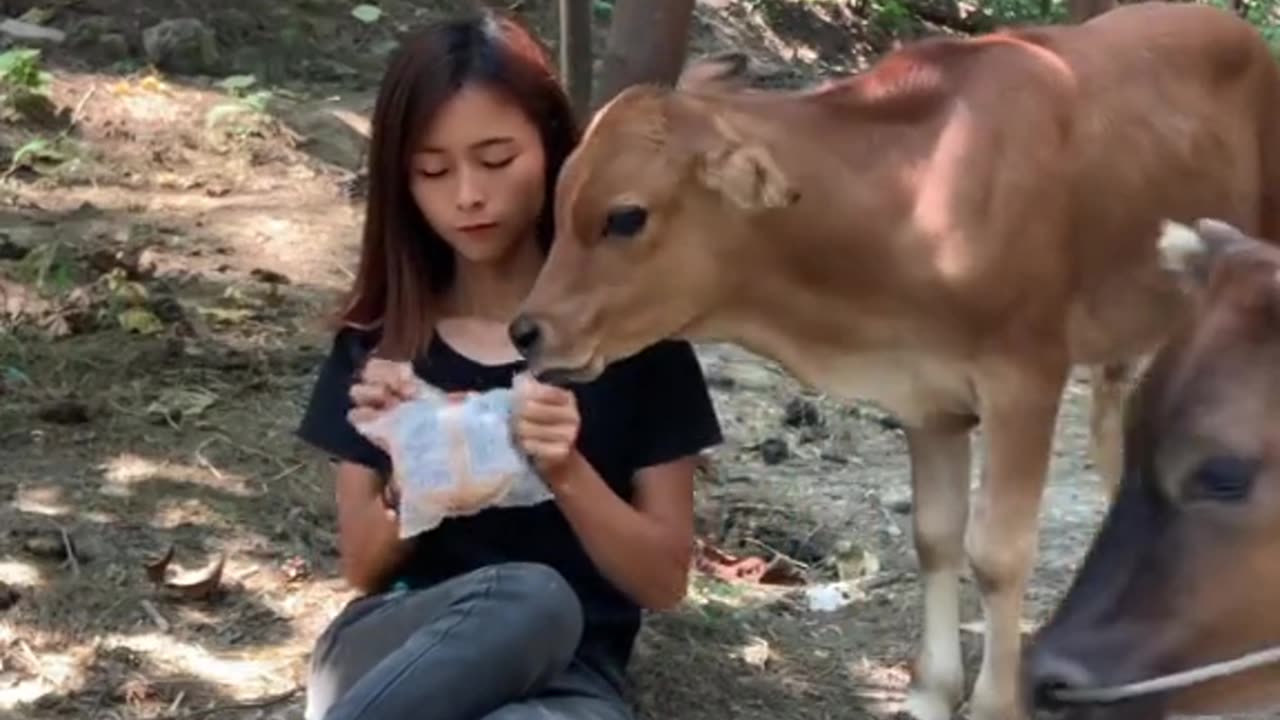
(625, 221)
(1223, 478)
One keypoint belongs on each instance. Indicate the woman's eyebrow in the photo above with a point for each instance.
(478, 145)
(489, 142)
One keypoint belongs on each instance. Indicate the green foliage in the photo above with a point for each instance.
(244, 115)
(24, 84)
(49, 268)
(892, 16)
(1262, 14)
(238, 87)
(366, 13)
(1024, 12)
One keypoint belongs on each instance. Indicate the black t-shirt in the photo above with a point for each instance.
(647, 409)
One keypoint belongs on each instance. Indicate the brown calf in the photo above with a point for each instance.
(1185, 572)
(945, 235)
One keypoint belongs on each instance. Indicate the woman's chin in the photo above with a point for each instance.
(476, 251)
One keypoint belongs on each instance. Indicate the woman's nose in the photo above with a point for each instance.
(470, 193)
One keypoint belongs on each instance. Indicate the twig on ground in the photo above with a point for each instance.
(286, 472)
(155, 615)
(885, 580)
(247, 449)
(204, 462)
(71, 552)
(267, 701)
(37, 667)
(75, 114)
(776, 551)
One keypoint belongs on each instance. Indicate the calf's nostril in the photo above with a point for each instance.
(525, 334)
(1051, 674)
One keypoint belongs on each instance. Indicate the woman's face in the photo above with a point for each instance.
(477, 174)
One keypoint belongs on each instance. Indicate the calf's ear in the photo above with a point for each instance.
(743, 172)
(747, 176)
(724, 71)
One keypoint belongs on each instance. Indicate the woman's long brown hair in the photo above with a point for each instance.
(404, 264)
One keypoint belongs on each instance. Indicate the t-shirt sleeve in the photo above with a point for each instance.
(324, 422)
(676, 414)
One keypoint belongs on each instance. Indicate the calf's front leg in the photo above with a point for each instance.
(1019, 408)
(940, 466)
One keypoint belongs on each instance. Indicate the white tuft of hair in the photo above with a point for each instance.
(1178, 244)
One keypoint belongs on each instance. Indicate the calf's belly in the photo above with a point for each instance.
(918, 390)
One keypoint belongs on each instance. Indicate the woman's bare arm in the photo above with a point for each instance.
(645, 549)
(369, 545)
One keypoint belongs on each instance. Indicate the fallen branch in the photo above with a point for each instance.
(267, 701)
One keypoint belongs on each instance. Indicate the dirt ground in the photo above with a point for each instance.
(165, 264)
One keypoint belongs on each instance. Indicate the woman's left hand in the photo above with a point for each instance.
(546, 422)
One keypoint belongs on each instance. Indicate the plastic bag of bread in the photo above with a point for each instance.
(453, 455)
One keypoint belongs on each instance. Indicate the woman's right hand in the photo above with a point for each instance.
(380, 385)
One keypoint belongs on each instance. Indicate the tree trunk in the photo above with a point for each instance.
(575, 52)
(648, 40)
(1080, 10)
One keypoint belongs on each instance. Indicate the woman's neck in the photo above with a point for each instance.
(493, 290)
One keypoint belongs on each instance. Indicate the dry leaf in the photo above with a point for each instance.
(141, 321)
(227, 316)
(178, 403)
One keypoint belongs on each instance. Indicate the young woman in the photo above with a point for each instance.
(510, 613)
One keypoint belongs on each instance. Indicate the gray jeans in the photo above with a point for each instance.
(495, 644)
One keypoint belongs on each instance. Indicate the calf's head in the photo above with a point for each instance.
(650, 211)
(1185, 570)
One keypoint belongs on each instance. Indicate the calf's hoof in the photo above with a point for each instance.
(929, 704)
(1010, 710)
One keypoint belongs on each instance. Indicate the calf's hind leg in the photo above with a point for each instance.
(1019, 409)
(1110, 385)
(940, 466)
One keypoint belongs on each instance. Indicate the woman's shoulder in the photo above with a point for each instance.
(354, 343)
(324, 422)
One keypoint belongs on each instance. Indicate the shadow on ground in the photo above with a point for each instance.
(121, 437)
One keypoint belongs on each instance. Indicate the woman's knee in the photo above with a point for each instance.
(548, 605)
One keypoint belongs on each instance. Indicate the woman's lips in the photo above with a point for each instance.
(476, 228)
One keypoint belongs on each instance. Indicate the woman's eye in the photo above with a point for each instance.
(1223, 478)
(625, 221)
(431, 172)
(500, 163)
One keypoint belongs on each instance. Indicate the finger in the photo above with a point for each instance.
(376, 370)
(533, 432)
(548, 414)
(530, 387)
(386, 372)
(362, 415)
(370, 395)
(391, 494)
(407, 388)
(551, 394)
(546, 451)
(397, 377)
